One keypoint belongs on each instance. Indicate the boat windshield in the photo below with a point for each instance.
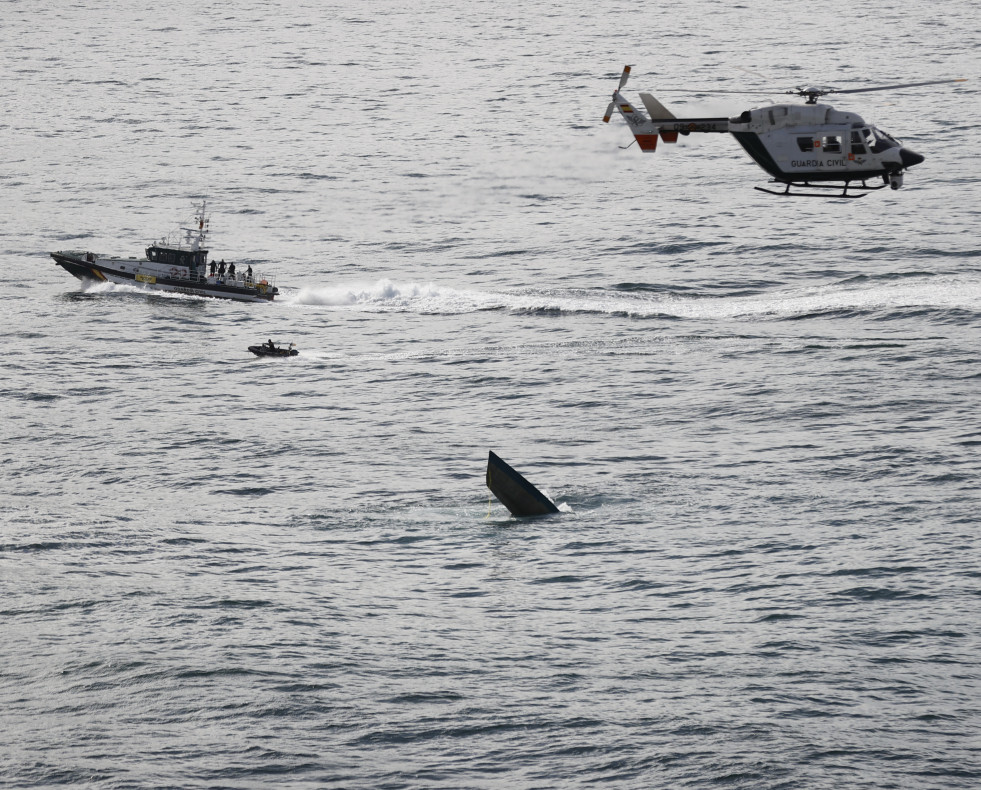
(174, 257)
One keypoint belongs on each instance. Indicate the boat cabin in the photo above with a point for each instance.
(171, 257)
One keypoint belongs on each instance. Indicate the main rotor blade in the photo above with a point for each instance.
(895, 87)
(756, 92)
(803, 91)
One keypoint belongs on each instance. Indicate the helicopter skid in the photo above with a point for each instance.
(825, 195)
(807, 185)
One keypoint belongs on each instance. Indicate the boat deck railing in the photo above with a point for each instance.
(239, 280)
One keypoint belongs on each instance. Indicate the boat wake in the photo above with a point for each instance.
(383, 295)
(96, 287)
(860, 295)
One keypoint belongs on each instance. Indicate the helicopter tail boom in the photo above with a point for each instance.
(661, 123)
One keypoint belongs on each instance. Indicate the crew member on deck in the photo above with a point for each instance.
(231, 270)
(248, 274)
(221, 268)
(213, 267)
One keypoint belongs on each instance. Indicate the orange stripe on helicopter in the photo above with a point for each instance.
(647, 142)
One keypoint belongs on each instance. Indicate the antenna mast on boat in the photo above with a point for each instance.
(202, 221)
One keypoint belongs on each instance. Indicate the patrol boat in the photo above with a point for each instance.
(181, 266)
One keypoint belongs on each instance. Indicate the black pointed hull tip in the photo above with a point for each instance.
(515, 493)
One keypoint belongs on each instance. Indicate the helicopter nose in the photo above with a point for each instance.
(909, 158)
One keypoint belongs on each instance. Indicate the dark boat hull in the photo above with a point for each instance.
(515, 493)
(265, 351)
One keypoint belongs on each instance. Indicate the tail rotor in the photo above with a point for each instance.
(613, 104)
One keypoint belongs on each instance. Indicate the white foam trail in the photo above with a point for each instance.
(381, 293)
(938, 292)
(389, 296)
(106, 287)
(934, 292)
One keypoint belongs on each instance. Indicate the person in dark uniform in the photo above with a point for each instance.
(214, 266)
(221, 268)
(248, 274)
(231, 270)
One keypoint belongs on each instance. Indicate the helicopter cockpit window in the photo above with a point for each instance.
(832, 145)
(882, 142)
(805, 144)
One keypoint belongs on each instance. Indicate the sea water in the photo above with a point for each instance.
(759, 415)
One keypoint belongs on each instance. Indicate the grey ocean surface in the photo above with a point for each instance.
(760, 415)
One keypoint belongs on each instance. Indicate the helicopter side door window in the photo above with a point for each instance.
(805, 144)
(858, 147)
(832, 145)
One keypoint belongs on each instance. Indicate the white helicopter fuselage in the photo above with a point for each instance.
(815, 142)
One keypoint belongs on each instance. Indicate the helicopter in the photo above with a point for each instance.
(809, 147)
